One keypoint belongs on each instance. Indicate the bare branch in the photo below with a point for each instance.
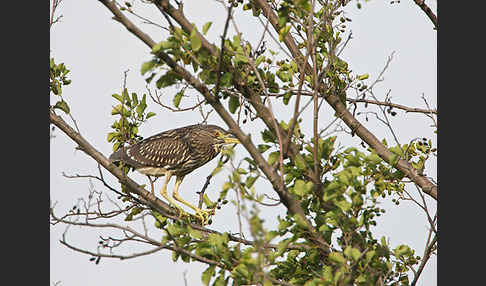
(52, 20)
(394, 105)
(428, 12)
(428, 252)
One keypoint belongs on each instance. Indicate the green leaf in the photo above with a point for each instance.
(241, 270)
(225, 79)
(259, 60)
(207, 201)
(267, 283)
(300, 188)
(402, 249)
(141, 107)
(168, 79)
(115, 148)
(146, 67)
(240, 58)
(150, 114)
(383, 241)
(63, 106)
(344, 177)
(236, 41)
(126, 98)
(178, 97)
(283, 225)
(134, 98)
(195, 40)
(363, 77)
(287, 97)
(111, 136)
(337, 257)
(206, 27)
(369, 255)
(196, 234)
(373, 159)
(268, 136)
(234, 103)
(56, 87)
(352, 252)
(207, 274)
(299, 163)
(343, 204)
(273, 157)
(227, 186)
(283, 32)
(250, 181)
(393, 159)
(262, 148)
(300, 220)
(155, 49)
(219, 281)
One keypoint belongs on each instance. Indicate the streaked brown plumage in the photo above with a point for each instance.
(176, 152)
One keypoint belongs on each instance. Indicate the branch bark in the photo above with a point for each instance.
(394, 105)
(428, 12)
(147, 196)
(333, 100)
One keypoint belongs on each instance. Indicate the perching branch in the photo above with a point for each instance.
(144, 196)
(287, 199)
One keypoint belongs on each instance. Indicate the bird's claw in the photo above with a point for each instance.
(204, 216)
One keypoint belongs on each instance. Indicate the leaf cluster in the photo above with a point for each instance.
(57, 79)
(132, 112)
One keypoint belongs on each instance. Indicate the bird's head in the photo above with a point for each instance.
(217, 136)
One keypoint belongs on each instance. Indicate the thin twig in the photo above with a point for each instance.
(393, 105)
(221, 54)
(427, 254)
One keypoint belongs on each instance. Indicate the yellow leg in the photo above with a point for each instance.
(202, 215)
(151, 184)
(163, 192)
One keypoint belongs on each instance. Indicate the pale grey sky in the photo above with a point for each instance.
(98, 50)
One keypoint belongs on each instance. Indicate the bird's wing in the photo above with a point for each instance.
(167, 150)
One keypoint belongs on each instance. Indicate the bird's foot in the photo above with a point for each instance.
(204, 216)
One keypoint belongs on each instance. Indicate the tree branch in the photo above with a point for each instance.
(427, 254)
(146, 196)
(425, 184)
(394, 105)
(287, 199)
(428, 12)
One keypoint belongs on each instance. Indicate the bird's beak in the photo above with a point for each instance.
(229, 139)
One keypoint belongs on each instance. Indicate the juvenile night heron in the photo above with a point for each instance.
(176, 152)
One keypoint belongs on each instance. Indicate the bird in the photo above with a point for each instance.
(176, 152)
